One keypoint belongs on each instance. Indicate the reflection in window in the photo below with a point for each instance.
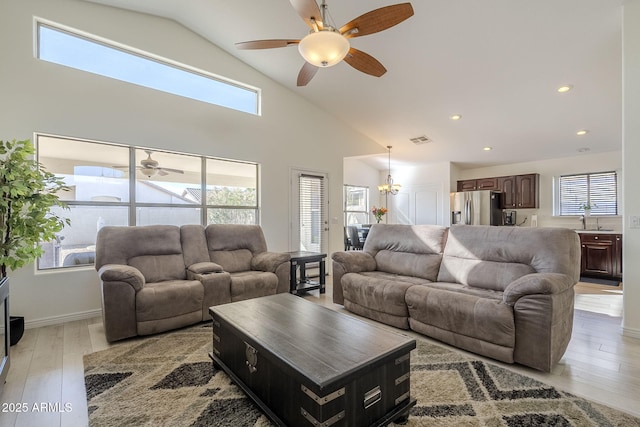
(167, 216)
(75, 246)
(168, 190)
(231, 192)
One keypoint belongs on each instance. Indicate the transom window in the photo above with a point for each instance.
(113, 184)
(596, 193)
(106, 58)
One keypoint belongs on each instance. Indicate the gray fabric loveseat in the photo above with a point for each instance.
(161, 277)
(502, 292)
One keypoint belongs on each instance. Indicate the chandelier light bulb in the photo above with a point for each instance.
(324, 48)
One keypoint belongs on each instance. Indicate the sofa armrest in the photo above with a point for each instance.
(216, 286)
(122, 273)
(536, 283)
(355, 261)
(205, 268)
(349, 262)
(269, 261)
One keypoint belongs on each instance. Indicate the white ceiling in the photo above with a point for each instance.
(498, 63)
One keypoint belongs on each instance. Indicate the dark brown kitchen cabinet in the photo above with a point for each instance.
(601, 255)
(527, 194)
(478, 184)
(467, 185)
(507, 184)
(519, 191)
(487, 184)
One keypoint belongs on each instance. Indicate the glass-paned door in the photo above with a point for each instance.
(310, 212)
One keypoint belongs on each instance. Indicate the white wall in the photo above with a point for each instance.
(631, 154)
(548, 169)
(42, 97)
(424, 195)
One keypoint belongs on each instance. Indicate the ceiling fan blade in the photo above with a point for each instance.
(162, 172)
(309, 11)
(377, 20)
(364, 62)
(170, 170)
(306, 73)
(266, 44)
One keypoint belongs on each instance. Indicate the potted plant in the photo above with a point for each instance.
(27, 194)
(586, 208)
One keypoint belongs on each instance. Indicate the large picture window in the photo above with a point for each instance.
(112, 184)
(596, 191)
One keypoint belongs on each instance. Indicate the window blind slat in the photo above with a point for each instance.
(313, 213)
(599, 190)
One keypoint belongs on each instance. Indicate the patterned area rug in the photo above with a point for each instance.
(168, 380)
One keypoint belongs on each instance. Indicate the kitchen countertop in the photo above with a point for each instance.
(591, 231)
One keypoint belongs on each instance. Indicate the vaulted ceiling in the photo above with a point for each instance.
(498, 63)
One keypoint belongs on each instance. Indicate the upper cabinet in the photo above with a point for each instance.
(467, 185)
(518, 191)
(488, 184)
(478, 184)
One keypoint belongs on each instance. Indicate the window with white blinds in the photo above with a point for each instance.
(598, 190)
(313, 213)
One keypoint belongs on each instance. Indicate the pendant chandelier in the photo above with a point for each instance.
(389, 187)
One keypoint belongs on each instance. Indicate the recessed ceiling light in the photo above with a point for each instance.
(565, 88)
(456, 117)
(487, 148)
(582, 132)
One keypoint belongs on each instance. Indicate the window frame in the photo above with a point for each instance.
(347, 211)
(148, 56)
(132, 204)
(558, 211)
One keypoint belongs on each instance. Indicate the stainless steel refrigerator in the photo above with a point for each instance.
(476, 208)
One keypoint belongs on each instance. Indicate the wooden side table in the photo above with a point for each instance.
(299, 260)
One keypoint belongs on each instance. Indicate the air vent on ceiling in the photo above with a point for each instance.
(419, 140)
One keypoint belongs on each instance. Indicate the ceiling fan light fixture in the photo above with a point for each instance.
(324, 48)
(148, 172)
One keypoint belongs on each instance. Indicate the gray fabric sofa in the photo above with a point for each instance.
(161, 277)
(502, 292)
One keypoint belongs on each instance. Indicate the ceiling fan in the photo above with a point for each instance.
(326, 46)
(151, 167)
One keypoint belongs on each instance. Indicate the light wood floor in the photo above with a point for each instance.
(46, 365)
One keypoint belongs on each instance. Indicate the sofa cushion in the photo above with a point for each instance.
(379, 291)
(492, 257)
(156, 268)
(232, 261)
(424, 266)
(408, 250)
(169, 298)
(228, 237)
(252, 284)
(484, 318)
(155, 250)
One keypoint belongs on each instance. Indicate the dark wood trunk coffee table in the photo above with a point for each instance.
(307, 365)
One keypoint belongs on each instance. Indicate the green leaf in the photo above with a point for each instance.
(27, 194)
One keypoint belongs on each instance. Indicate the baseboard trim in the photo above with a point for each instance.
(631, 333)
(56, 320)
